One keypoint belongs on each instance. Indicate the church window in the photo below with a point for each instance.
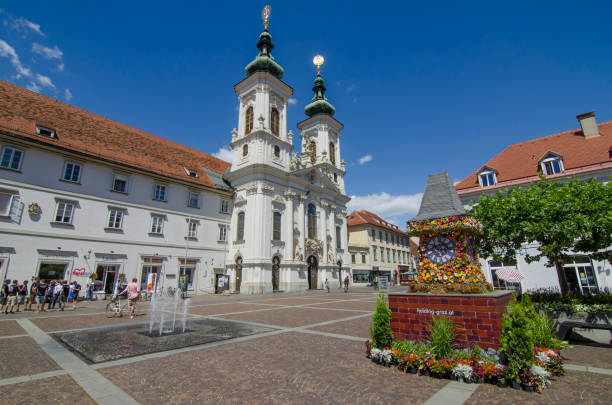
(312, 222)
(274, 121)
(245, 150)
(336, 177)
(248, 120)
(240, 227)
(338, 238)
(312, 149)
(276, 151)
(332, 153)
(276, 226)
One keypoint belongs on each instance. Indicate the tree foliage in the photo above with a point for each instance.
(562, 218)
(380, 328)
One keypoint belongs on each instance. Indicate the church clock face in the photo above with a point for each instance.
(440, 249)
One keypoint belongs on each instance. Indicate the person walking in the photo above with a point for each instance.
(41, 295)
(57, 293)
(22, 295)
(327, 285)
(133, 293)
(4, 296)
(346, 283)
(64, 294)
(32, 294)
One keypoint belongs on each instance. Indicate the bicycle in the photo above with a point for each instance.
(114, 308)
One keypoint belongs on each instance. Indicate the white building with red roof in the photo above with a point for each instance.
(582, 153)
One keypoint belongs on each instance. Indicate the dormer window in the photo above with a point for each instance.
(552, 164)
(487, 178)
(191, 173)
(46, 132)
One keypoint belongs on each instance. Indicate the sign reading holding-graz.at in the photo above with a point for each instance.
(383, 284)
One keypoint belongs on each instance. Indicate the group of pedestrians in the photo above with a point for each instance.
(56, 292)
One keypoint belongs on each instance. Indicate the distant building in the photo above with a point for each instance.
(576, 154)
(377, 248)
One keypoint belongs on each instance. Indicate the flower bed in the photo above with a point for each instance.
(472, 368)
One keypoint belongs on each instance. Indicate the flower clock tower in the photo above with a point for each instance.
(448, 263)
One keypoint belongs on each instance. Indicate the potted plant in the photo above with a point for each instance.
(530, 382)
(462, 372)
(409, 364)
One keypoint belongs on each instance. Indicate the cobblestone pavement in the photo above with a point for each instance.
(316, 355)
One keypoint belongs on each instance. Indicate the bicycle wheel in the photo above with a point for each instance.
(125, 309)
(110, 310)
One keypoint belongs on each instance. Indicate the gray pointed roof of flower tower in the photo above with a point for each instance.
(440, 199)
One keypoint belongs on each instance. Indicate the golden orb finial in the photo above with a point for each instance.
(265, 14)
(318, 61)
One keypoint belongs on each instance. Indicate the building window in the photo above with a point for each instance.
(332, 153)
(6, 201)
(394, 261)
(248, 120)
(374, 255)
(353, 258)
(388, 255)
(193, 200)
(335, 177)
(157, 224)
(386, 237)
(192, 229)
(312, 222)
(338, 237)
(120, 184)
(276, 151)
(363, 258)
(225, 206)
(274, 121)
(159, 192)
(245, 150)
(46, 132)
(222, 233)
(312, 149)
(115, 218)
(63, 212)
(380, 236)
(552, 165)
(382, 254)
(373, 234)
(240, 227)
(276, 226)
(487, 179)
(72, 172)
(580, 275)
(11, 158)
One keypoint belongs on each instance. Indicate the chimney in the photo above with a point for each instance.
(588, 124)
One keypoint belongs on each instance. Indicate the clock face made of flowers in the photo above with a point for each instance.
(440, 249)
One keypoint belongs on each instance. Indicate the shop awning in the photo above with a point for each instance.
(509, 274)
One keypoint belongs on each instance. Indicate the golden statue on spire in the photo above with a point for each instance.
(265, 14)
(318, 61)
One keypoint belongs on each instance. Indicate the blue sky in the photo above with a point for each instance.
(420, 88)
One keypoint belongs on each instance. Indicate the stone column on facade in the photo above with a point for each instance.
(332, 222)
(290, 248)
(323, 216)
(302, 224)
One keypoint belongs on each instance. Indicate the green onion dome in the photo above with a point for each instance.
(319, 104)
(264, 62)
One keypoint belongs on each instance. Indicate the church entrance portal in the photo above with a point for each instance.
(313, 269)
(238, 273)
(275, 273)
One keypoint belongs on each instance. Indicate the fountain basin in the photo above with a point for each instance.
(98, 345)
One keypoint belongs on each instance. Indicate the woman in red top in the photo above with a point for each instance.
(133, 293)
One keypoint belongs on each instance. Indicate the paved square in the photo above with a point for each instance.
(315, 355)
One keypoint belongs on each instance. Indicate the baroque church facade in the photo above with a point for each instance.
(288, 225)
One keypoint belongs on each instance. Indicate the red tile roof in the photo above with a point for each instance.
(519, 163)
(366, 217)
(80, 131)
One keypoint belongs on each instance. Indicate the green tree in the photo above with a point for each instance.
(380, 328)
(563, 218)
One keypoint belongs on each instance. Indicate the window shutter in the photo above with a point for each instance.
(16, 208)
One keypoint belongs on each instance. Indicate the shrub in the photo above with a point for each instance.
(476, 353)
(517, 340)
(442, 336)
(380, 328)
(410, 347)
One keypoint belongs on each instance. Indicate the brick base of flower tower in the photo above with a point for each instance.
(477, 317)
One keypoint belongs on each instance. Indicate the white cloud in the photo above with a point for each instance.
(386, 205)
(224, 153)
(47, 53)
(8, 51)
(67, 94)
(44, 81)
(292, 101)
(23, 23)
(60, 67)
(33, 86)
(351, 87)
(365, 159)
